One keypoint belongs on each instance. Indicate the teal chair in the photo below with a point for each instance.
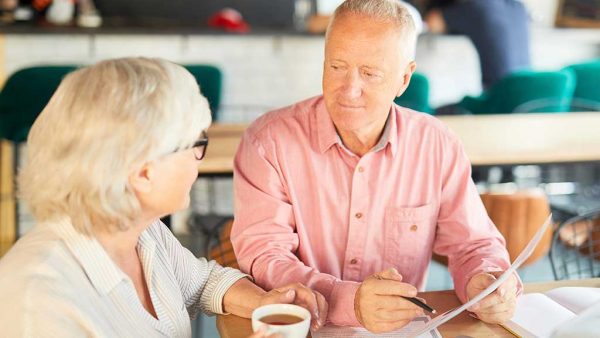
(587, 88)
(416, 96)
(210, 80)
(24, 96)
(525, 92)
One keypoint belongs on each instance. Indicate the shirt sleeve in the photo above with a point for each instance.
(264, 236)
(203, 283)
(465, 233)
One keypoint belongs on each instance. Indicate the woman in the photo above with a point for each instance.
(116, 148)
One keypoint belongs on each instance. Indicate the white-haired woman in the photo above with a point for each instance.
(116, 148)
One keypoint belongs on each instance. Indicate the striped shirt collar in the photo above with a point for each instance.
(102, 272)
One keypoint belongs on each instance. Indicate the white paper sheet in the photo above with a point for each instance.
(357, 332)
(446, 316)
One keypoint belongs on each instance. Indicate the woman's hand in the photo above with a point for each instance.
(262, 333)
(300, 295)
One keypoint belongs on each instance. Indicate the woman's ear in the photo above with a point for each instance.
(141, 179)
(406, 75)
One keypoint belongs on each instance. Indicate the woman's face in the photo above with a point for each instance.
(171, 178)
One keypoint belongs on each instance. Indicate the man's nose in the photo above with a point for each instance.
(352, 85)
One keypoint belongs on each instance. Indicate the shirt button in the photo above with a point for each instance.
(353, 261)
(413, 227)
(361, 169)
(358, 215)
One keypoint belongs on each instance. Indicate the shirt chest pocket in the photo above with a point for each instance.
(408, 234)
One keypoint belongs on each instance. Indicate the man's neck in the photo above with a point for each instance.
(362, 141)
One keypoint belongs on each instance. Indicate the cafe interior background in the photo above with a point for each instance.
(262, 56)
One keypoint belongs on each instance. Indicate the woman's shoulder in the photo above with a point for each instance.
(35, 266)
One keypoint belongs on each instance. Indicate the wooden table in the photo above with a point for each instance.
(223, 142)
(528, 138)
(236, 327)
(488, 139)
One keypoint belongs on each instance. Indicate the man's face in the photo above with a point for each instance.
(363, 72)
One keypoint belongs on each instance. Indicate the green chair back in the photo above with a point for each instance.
(525, 92)
(587, 88)
(416, 96)
(24, 96)
(210, 80)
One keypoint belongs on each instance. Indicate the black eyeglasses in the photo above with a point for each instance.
(199, 147)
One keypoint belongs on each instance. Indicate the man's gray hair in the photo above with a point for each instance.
(392, 11)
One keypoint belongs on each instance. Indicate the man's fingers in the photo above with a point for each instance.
(494, 299)
(390, 273)
(281, 295)
(393, 288)
(398, 315)
(502, 307)
(508, 289)
(323, 310)
(306, 297)
(395, 303)
(484, 280)
(498, 317)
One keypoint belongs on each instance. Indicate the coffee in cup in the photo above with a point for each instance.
(291, 321)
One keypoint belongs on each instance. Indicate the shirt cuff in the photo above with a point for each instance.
(217, 289)
(341, 304)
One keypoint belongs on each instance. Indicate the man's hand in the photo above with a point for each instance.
(377, 304)
(497, 307)
(300, 295)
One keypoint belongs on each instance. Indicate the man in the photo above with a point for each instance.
(499, 30)
(349, 194)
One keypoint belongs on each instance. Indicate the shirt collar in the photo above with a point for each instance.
(102, 272)
(146, 249)
(327, 134)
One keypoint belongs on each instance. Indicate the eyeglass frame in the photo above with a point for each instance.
(202, 142)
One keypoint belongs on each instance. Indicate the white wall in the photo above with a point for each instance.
(264, 72)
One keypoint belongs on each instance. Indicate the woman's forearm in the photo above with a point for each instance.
(242, 298)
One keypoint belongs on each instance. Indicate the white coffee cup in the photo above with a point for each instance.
(297, 330)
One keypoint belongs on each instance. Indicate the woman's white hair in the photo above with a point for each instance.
(392, 11)
(102, 123)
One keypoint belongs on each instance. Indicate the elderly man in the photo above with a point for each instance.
(350, 194)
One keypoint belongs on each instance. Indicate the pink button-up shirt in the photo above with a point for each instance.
(308, 210)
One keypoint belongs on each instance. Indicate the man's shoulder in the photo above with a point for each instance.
(293, 118)
(422, 124)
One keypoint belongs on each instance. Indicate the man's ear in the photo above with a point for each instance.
(406, 75)
(141, 179)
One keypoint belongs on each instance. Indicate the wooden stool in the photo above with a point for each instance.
(518, 216)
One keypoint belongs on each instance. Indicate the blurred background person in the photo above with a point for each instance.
(499, 30)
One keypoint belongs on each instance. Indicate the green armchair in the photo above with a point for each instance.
(416, 96)
(210, 80)
(524, 92)
(24, 96)
(587, 88)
